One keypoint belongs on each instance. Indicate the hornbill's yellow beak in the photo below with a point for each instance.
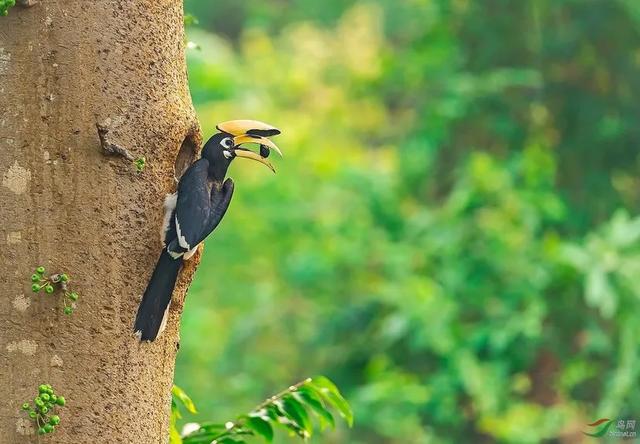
(252, 131)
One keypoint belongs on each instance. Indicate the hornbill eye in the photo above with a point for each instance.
(227, 142)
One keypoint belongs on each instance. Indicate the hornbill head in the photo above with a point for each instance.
(235, 133)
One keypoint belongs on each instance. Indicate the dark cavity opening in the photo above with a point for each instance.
(187, 155)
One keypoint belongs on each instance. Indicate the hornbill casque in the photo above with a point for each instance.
(195, 210)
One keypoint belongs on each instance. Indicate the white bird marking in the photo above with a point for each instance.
(182, 241)
(190, 253)
(163, 324)
(170, 202)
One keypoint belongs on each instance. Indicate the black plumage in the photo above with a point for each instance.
(191, 214)
(200, 207)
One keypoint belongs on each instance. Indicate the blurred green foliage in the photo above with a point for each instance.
(452, 235)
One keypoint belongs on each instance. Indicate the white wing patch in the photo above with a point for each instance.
(169, 205)
(165, 316)
(189, 253)
(182, 241)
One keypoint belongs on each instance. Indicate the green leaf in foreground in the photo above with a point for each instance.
(296, 412)
(333, 397)
(179, 394)
(311, 399)
(290, 409)
(261, 427)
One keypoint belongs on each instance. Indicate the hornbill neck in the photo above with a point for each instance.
(218, 163)
(217, 171)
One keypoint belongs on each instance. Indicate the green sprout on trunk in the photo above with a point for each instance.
(49, 284)
(5, 5)
(140, 163)
(44, 408)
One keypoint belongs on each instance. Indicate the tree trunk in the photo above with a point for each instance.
(69, 205)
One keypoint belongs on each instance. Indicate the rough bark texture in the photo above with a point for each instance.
(65, 67)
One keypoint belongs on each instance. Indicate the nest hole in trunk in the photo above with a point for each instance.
(187, 154)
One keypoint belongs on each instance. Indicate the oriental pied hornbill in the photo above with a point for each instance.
(195, 210)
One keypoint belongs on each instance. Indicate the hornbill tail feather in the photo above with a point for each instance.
(155, 302)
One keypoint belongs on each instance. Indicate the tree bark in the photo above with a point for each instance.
(68, 204)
